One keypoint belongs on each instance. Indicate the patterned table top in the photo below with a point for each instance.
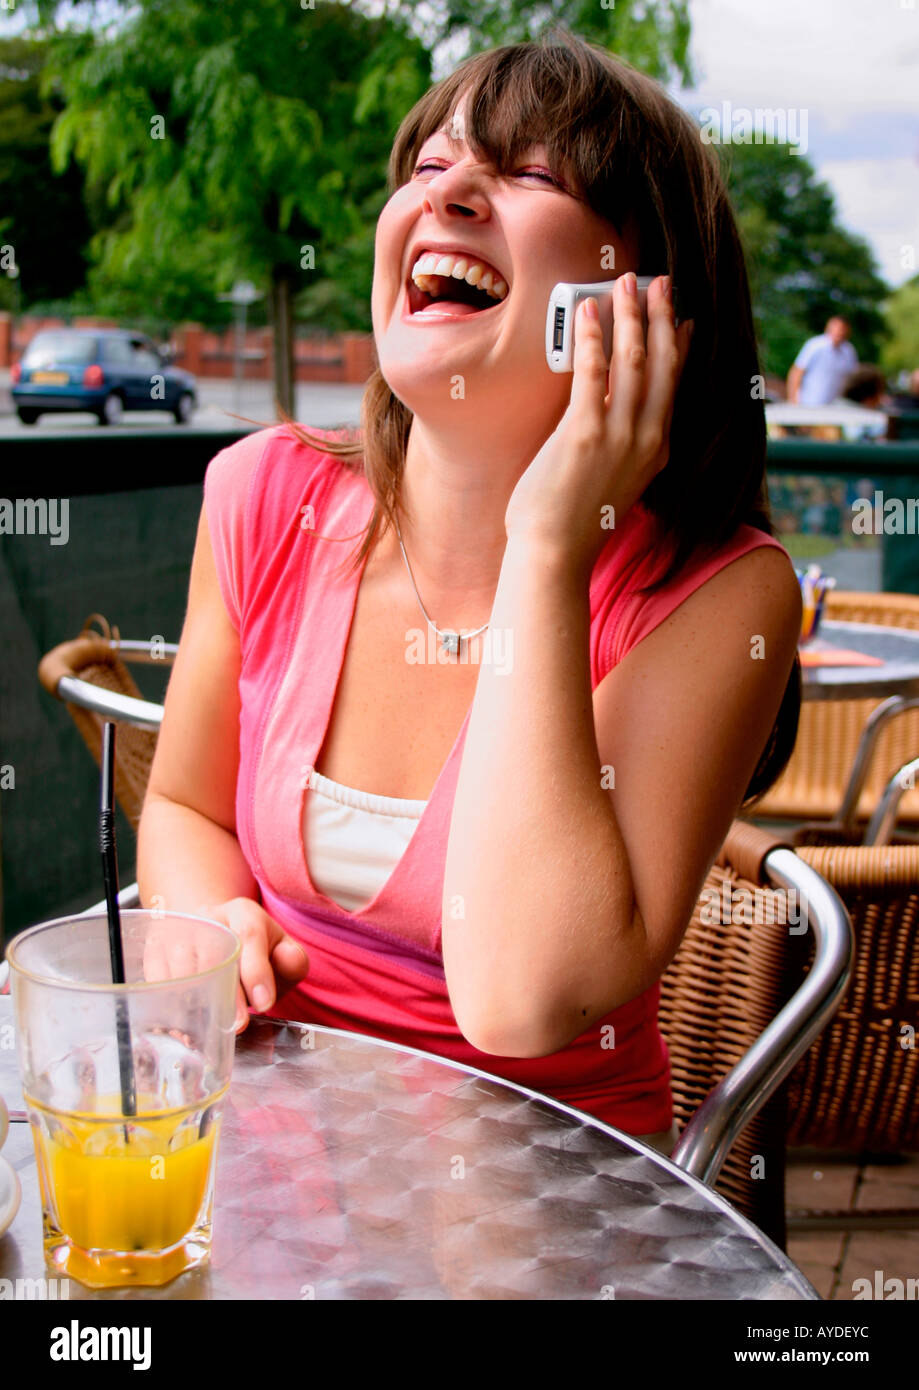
(897, 647)
(350, 1168)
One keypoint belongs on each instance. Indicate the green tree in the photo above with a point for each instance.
(804, 267)
(901, 350)
(43, 217)
(654, 38)
(233, 142)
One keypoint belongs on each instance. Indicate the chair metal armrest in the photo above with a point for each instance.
(705, 1142)
(143, 714)
(876, 722)
(880, 827)
(128, 897)
(57, 672)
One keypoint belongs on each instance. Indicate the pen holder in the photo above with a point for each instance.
(814, 588)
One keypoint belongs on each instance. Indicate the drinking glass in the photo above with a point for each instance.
(124, 1086)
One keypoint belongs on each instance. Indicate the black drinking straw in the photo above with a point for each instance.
(116, 949)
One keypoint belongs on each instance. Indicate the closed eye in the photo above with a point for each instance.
(541, 174)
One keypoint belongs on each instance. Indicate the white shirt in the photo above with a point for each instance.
(825, 369)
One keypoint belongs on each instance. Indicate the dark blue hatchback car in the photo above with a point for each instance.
(105, 370)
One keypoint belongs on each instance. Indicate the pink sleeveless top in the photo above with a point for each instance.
(380, 970)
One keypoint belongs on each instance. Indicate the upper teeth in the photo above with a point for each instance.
(430, 263)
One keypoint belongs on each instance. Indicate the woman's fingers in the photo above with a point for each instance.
(268, 956)
(667, 349)
(171, 950)
(242, 1010)
(590, 374)
(627, 362)
(266, 952)
(289, 961)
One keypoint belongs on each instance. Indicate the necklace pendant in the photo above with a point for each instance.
(450, 641)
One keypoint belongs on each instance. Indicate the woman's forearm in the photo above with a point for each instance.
(539, 923)
(185, 860)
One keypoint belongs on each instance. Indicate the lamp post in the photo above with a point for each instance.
(240, 296)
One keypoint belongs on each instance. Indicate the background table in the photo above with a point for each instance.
(898, 648)
(351, 1168)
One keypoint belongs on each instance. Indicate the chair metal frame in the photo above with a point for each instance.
(142, 714)
(876, 722)
(706, 1140)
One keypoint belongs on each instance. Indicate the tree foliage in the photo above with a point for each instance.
(901, 350)
(226, 140)
(803, 265)
(43, 216)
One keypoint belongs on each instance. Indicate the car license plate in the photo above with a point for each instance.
(50, 378)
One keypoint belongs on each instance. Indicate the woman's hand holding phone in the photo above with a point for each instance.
(614, 437)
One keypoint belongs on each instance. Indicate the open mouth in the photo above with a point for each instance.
(448, 296)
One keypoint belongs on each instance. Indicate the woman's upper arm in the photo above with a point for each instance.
(197, 752)
(683, 719)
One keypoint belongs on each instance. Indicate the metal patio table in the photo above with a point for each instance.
(350, 1168)
(897, 680)
(898, 648)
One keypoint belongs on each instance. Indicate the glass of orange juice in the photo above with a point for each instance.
(124, 1085)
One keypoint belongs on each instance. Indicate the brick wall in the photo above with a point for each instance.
(346, 357)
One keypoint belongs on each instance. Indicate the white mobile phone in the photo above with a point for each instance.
(563, 303)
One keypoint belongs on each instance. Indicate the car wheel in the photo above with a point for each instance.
(184, 408)
(27, 417)
(112, 410)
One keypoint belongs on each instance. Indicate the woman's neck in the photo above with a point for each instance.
(456, 497)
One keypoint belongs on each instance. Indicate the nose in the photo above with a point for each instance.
(456, 190)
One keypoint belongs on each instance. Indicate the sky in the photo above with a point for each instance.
(847, 73)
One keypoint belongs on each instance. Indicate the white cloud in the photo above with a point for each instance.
(837, 55)
(880, 199)
(853, 67)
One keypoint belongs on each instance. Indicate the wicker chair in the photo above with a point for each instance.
(815, 780)
(719, 1002)
(720, 996)
(89, 675)
(857, 1087)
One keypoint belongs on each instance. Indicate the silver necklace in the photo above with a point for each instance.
(450, 641)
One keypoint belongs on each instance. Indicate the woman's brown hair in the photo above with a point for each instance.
(620, 143)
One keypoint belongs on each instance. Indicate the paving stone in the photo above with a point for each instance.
(894, 1253)
(820, 1184)
(820, 1248)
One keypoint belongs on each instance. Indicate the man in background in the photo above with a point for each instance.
(822, 366)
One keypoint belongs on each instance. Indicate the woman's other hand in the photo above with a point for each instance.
(614, 437)
(271, 962)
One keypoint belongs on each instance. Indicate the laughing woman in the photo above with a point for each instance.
(465, 704)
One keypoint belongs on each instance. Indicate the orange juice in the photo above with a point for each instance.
(126, 1201)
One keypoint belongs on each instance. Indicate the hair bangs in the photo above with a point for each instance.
(551, 95)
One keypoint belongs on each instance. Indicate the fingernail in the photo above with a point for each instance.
(261, 998)
(241, 1019)
(631, 283)
(590, 308)
(667, 287)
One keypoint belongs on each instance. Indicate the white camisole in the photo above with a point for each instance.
(354, 839)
